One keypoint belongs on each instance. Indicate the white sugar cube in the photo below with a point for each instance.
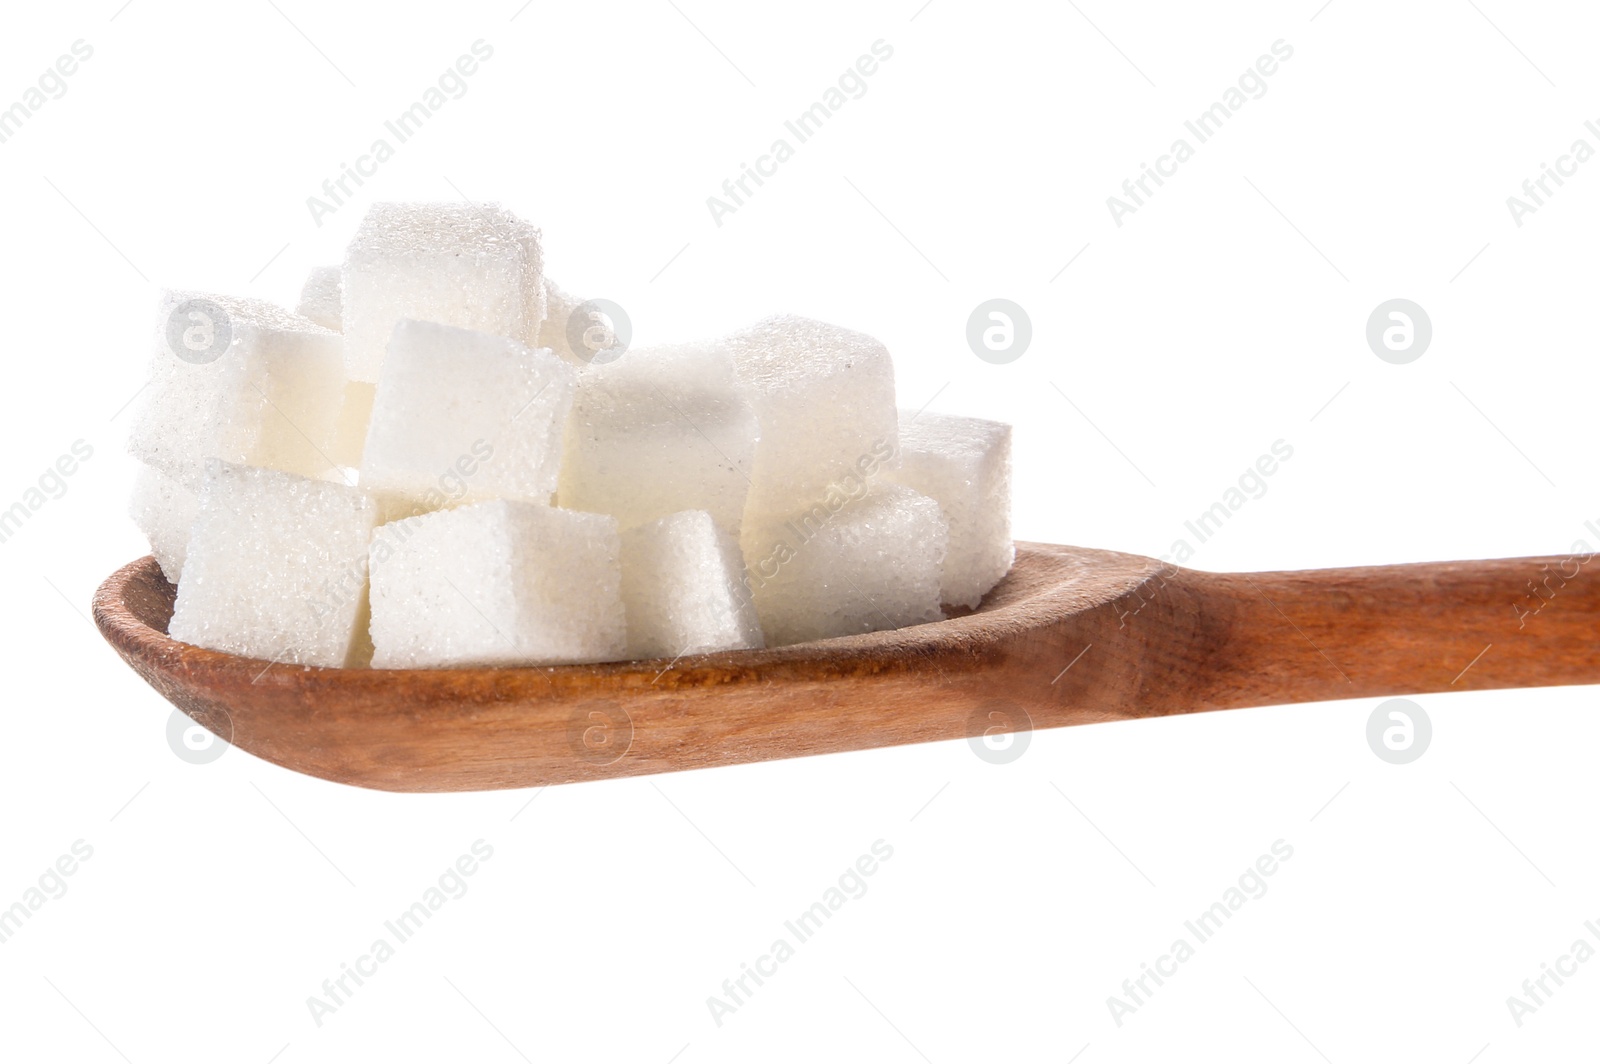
(496, 583)
(658, 431)
(241, 380)
(165, 511)
(476, 266)
(825, 400)
(455, 404)
(963, 464)
(350, 430)
(854, 563)
(683, 589)
(322, 298)
(559, 305)
(276, 567)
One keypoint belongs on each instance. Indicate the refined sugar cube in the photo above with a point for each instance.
(355, 417)
(241, 380)
(476, 266)
(497, 583)
(477, 416)
(853, 564)
(276, 567)
(658, 431)
(165, 510)
(322, 301)
(825, 400)
(558, 309)
(963, 464)
(322, 298)
(683, 589)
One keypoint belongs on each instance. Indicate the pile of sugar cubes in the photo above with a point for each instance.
(428, 465)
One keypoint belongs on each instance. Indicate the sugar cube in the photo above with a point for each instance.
(559, 305)
(476, 266)
(683, 589)
(165, 510)
(658, 431)
(350, 430)
(241, 380)
(276, 567)
(497, 583)
(477, 416)
(963, 464)
(322, 298)
(855, 563)
(824, 397)
(322, 301)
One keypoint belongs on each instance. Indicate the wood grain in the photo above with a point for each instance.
(1071, 636)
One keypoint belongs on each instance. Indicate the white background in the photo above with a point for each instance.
(1226, 314)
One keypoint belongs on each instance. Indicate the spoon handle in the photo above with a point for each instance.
(1195, 641)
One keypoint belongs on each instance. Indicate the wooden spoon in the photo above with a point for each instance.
(1071, 636)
